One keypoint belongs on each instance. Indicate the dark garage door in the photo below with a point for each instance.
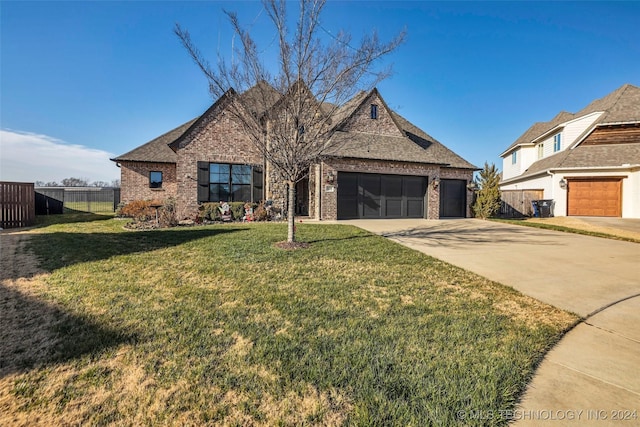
(453, 198)
(364, 195)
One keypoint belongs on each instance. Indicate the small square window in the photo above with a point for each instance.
(155, 179)
(374, 111)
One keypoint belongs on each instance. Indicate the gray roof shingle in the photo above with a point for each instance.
(157, 150)
(620, 106)
(416, 146)
(586, 156)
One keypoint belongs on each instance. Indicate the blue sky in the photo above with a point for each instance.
(84, 81)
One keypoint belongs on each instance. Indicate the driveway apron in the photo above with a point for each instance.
(592, 377)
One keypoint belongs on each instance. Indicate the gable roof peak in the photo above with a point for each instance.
(355, 103)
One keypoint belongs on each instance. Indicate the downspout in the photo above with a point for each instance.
(319, 191)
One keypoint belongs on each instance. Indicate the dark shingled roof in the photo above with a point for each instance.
(417, 146)
(260, 98)
(620, 106)
(157, 150)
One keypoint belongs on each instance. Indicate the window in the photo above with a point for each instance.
(557, 143)
(540, 151)
(374, 111)
(514, 157)
(223, 182)
(155, 179)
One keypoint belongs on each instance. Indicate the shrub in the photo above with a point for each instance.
(487, 202)
(210, 211)
(260, 213)
(139, 210)
(167, 213)
(119, 208)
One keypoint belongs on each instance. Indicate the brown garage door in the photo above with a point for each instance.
(595, 197)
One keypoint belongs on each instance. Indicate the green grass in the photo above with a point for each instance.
(215, 325)
(97, 207)
(564, 229)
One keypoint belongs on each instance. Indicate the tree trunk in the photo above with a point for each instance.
(291, 212)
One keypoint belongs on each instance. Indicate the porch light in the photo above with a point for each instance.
(436, 182)
(563, 183)
(472, 186)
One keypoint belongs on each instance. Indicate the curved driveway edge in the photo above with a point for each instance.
(592, 377)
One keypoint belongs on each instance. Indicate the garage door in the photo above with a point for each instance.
(363, 195)
(594, 197)
(453, 198)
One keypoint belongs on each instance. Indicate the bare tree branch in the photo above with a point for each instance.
(290, 116)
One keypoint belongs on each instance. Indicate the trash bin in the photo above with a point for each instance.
(536, 211)
(545, 208)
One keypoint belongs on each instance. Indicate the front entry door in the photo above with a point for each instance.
(302, 197)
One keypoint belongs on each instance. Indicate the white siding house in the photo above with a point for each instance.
(588, 162)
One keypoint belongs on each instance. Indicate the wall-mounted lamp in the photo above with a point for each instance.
(472, 186)
(331, 177)
(436, 182)
(563, 183)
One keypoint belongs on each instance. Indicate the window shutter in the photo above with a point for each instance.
(203, 182)
(258, 184)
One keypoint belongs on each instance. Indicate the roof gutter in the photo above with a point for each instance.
(515, 147)
(552, 171)
(625, 166)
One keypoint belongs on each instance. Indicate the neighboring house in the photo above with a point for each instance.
(379, 166)
(588, 162)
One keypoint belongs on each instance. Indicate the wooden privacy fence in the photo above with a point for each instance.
(17, 204)
(57, 200)
(517, 203)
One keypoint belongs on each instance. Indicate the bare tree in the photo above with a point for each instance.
(317, 74)
(75, 182)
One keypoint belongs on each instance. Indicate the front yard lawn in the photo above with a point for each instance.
(215, 325)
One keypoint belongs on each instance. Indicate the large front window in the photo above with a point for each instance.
(224, 182)
(229, 183)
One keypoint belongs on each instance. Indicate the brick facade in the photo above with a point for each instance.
(361, 120)
(218, 138)
(134, 177)
(452, 173)
(329, 201)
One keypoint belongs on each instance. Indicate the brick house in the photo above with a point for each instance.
(379, 166)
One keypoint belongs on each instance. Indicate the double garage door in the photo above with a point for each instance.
(594, 197)
(364, 195)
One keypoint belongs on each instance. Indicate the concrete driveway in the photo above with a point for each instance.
(592, 376)
(577, 273)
